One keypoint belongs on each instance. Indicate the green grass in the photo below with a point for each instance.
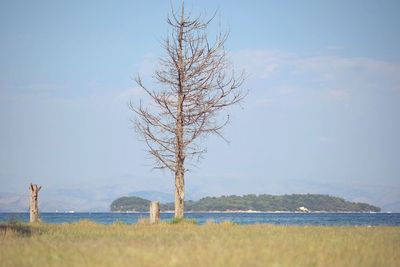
(186, 244)
(182, 221)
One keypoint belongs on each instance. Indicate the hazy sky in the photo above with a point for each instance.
(323, 103)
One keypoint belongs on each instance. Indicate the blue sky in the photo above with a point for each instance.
(323, 107)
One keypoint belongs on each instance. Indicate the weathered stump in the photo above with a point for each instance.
(33, 207)
(154, 212)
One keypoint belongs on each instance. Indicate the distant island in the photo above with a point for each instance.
(262, 203)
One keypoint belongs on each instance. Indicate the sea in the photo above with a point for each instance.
(278, 218)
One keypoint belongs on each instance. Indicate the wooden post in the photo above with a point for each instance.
(154, 212)
(33, 207)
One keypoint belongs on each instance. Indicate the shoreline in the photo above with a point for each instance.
(210, 212)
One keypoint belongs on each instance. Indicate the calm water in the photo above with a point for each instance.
(241, 218)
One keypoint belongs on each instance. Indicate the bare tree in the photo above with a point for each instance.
(197, 81)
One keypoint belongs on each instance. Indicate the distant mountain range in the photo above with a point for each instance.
(78, 200)
(96, 199)
(294, 202)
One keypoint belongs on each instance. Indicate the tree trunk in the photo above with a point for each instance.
(154, 212)
(179, 151)
(179, 171)
(33, 207)
(179, 194)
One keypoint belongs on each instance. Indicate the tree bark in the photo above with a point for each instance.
(180, 155)
(179, 194)
(33, 207)
(180, 158)
(154, 212)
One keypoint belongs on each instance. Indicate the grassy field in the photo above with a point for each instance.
(88, 244)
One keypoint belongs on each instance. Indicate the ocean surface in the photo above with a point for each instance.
(338, 219)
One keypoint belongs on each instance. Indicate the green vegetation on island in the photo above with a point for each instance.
(130, 204)
(310, 202)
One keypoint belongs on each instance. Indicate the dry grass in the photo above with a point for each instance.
(186, 244)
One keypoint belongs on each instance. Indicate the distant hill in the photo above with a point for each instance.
(313, 202)
(13, 203)
(130, 204)
(154, 195)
